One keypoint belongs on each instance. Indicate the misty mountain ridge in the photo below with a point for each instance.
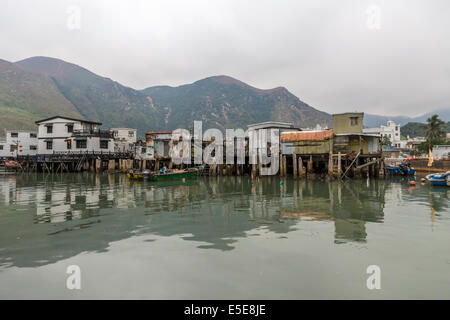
(373, 121)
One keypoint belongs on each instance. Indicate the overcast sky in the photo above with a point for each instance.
(388, 57)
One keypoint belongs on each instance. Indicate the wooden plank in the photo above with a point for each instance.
(367, 164)
(351, 164)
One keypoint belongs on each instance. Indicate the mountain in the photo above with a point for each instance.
(39, 87)
(224, 102)
(95, 97)
(26, 97)
(371, 120)
(416, 129)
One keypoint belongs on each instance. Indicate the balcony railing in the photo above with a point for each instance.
(93, 133)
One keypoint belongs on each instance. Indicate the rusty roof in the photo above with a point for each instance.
(306, 136)
(158, 132)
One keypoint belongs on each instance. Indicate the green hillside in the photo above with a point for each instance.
(416, 129)
(98, 98)
(26, 97)
(40, 87)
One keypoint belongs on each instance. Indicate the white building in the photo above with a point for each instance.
(391, 130)
(441, 152)
(19, 143)
(67, 135)
(158, 145)
(257, 131)
(124, 139)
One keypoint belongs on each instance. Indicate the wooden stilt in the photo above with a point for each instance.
(295, 163)
(330, 164)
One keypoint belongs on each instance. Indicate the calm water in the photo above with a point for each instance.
(224, 237)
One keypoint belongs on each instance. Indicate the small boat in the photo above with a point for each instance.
(439, 179)
(12, 164)
(137, 175)
(191, 173)
(398, 171)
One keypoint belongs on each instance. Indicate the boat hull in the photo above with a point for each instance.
(439, 179)
(135, 176)
(12, 164)
(397, 171)
(174, 176)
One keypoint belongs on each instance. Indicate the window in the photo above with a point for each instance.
(115, 133)
(144, 150)
(12, 147)
(1, 147)
(70, 128)
(33, 147)
(353, 121)
(103, 144)
(49, 129)
(33, 135)
(81, 144)
(49, 144)
(130, 134)
(69, 144)
(14, 134)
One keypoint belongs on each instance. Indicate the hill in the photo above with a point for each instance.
(225, 102)
(95, 97)
(26, 97)
(416, 129)
(371, 120)
(39, 87)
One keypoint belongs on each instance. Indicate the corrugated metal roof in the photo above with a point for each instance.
(158, 132)
(306, 136)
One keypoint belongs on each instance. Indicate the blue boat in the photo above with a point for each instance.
(439, 179)
(398, 171)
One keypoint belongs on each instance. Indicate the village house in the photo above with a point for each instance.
(329, 150)
(19, 143)
(158, 146)
(60, 134)
(269, 127)
(124, 139)
(349, 136)
(391, 130)
(441, 152)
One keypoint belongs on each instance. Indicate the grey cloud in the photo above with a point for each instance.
(322, 51)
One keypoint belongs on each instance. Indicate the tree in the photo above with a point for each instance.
(386, 141)
(435, 129)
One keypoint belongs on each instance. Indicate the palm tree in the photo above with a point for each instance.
(435, 134)
(435, 130)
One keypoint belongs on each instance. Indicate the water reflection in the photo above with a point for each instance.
(45, 218)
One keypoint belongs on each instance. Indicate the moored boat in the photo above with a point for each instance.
(12, 164)
(439, 179)
(137, 175)
(175, 174)
(398, 171)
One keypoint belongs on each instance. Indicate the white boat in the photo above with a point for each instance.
(439, 179)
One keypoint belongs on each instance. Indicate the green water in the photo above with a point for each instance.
(221, 238)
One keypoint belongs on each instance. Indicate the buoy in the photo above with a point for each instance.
(423, 179)
(413, 183)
